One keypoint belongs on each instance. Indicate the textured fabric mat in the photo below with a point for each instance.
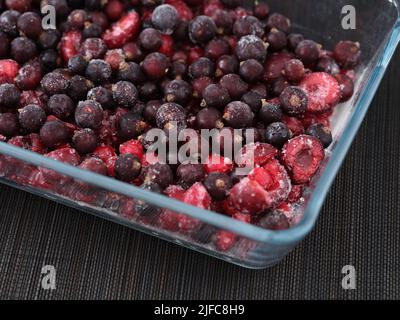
(95, 259)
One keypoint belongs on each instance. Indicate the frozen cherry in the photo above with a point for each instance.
(127, 167)
(209, 118)
(103, 96)
(218, 185)
(251, 47)
(238, 115)
(54, 83)
(89, 114)
(77, 64)
(279, 21)
(131, 125)
(158, 173)
(9, 95)
(125, 93)
(85, 140)
(294, 70)
(347, 54)
(307, 51)
(150, 39)
(165, 18)
(98, 71)
(31, 118)
(235, 85)
(277, 134)
(216, 96)
(8, 124)
(320, 132)
(23, 49)
(155, 65)
(202, 67)
(178, 91)
(227, 64)
(61, 106)
(251, 70)
(54, 133)
(269, 113)
(294, 101)
(253, 100)
(188, 174)
(202, 29)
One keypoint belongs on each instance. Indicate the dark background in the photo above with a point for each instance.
(95, 259)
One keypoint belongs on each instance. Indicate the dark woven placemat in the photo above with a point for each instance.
(359, 226)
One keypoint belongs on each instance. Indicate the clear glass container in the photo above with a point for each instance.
(377, 30)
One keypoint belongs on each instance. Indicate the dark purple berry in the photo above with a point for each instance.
(251, 70)
(103, 96)
(293, 40)
(149, 90)
(8, 124)
(54, 83)
(347, 54)
(165, 18)
(278, 85)
(328, 65)
(238, 115)
(158, 173)
(130, 71)
(216, 96)
(178, 91)
(4, 45)
(49, 39)
(77, 19)
(54, 133)
(49, 60)
(275, 221)
(261, 10)
(131, 125)
(346, 86)
(85, 141)
(150, 39)
(227, 64)
(294, 70)
(89, 114)
(308, 51)
(93, 48)
(61, 106)
(279, 21)
(98, 71)
(127, 167)
(178, 70)
(320, 132)
(235, 85)
(253, 100)
(77, 65)
(149, 112)
(217, 48)
(202, 29)
(169, 113)
(181, 32)
(199, 85)
(251, 47)
(277, 134)
(294, 101)
(155, 65)
(79, 87)
(223, 20)
(202, 67)
(188, 174)
(248, 25)
(8, 22)
(31, 118)
(218, 185)
(92, 30)
(23, 49)
(125, 93)
(9, 96)
(277, 40)
(261, 89)
(270, 113)
(30, 24)
(209, 118)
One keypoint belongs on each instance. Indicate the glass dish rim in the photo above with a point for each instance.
(317, 197)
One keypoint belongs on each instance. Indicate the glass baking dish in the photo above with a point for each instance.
(377, 30)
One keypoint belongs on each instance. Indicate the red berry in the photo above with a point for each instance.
(114, 10)
(302, 157)
(294, 125)
(70, 44)
(347, 53)
(133, 147)
(8, 70)
(123, 30)
(104, 153)
(217, 163)
(323, 91)
(225, 240)
(296, 193)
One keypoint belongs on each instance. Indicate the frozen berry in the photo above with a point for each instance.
(9, 95)
(89, 114)
(294, 70)
(277, 134)
(149, 112)
(77, 65)
(85, 141)
(323, 91)
(251, 70)
(248, 25)
(31, 118)
(235, 85)
(30, 24)
(199, 84)
(92, 30)
(277, 40)
(320, 132)
(123, 30)
(347, 54)
(216, 96)
(238, 115)
(115, 58)
(209, 118)
(226, 64)
(188, 174)
(131, 125)
(49, 60)
(346, 85)
(158, 173)
(70, 44)
(275, 64)
(77, 18)
(23, 49)
(49, 39)
(178, 91)
(8, 124)
(61, 106)
(79, 87)
(165, 18)
(8, 22)
(127, 167)
(125, 94)
(328, 65)
(274, 221)
(279, 21)
(98, 71)
(293, 40)
(261, 10)
(54, 133)
(95, 165)
(253, 100)
(202, 29)
(155, 65)
(307, 51)
(223, 20)
(103, 96)
(54, 83)
(4, 45)
(130, 71)
(251, 47)
(303, 156)
(93, 48)
(150, 39)
(202, 67)
(217, 48)
(218, 185)
(178, 70)
(294, 101)
(256, 154)
(169, 113)
(149, 90)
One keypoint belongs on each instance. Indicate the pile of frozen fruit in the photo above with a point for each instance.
(86, 93)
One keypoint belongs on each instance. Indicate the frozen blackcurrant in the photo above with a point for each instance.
(131, 125)
(89, 114)
(320, 132)
(251, 47)
(253, 100)
(251, 70)
(159, 173)
(202, 67)
(307, 51)
(85, 141)
(188, 174)
(218, 185)
(103, 96)
(294, 101)
(238, 115)
(178, 91)
(226, 64)
(9, 95)
(54, 133)
(98, 71)
(127, 167)
(61, 106)
(216, 96)
(165, 18)
(150, 39)
(125, 93)
(202, 29)
(155, 65)
(31, 118)
(277, 134)
(270, 113)
(235, 85)
(8, 124)
(209, 118)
